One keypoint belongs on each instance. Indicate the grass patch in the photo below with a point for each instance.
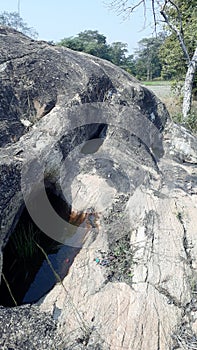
(23, 241)
(156, 83)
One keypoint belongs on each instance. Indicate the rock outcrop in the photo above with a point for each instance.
(106, 145)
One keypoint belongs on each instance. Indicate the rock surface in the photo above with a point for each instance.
(103, 143)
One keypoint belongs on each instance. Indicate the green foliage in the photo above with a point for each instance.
(147, 60)
(23, 241)
(190, 123)
(174, 63)
(187, 11)
(172, 68)
(94, 43)
(13, 20)
(117, 53)
(129, 65)
(145, 65)
(89, 41)
(93, 36)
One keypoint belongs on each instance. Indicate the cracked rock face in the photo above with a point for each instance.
(105, 144)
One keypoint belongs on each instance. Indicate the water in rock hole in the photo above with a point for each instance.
(27, 275)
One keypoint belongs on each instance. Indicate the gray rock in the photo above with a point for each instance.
(34, 75)
(133, 282)
(27, 328)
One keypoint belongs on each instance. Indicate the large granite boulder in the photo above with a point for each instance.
(106, 145)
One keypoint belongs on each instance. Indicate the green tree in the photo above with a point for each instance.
(13, 20)
(178, 15)
(185, 48)
(129, 65)
(168, 53)
(89, 41)
(148, 63)
(92, 36)
(94, 43)
(72, 43)
(181, 19)
(118, 51)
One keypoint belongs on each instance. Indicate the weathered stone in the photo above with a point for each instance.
(32, 329)
(133, 284)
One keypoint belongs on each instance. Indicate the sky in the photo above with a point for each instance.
(57, 19)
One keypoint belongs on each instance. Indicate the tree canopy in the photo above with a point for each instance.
(94, 43)
(89, 41)
(145, 63)
(148, 63)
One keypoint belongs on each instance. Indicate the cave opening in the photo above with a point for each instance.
(27, 275)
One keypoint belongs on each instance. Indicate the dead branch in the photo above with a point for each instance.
(122, 6)
(177, 31)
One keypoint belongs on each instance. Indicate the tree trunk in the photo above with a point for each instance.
(147, 75)
(187, 92)
(148, 70)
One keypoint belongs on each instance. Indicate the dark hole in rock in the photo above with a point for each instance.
(27, 275)
(88, 133)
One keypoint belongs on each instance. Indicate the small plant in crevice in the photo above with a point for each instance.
(118, 260)
(179, 216)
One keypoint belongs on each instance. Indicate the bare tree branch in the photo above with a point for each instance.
(178, 14)
(132, 8)
(177, 32)
(154, 15)
(122, 6)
